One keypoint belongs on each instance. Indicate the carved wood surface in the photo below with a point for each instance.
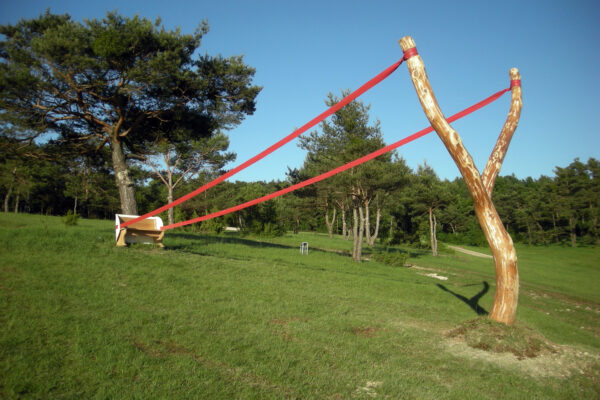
(496, 159)
(505, 302)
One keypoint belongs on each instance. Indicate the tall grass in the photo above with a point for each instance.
(225, 316)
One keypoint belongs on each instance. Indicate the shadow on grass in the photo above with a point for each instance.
(193, 242)
(196, 240)
(214, 239)
(473, 302)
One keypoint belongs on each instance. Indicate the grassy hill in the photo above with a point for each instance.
(222, 317)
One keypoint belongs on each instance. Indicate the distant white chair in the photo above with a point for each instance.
(304, 248)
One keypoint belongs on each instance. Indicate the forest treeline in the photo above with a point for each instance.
(562, 209)
(120, 114)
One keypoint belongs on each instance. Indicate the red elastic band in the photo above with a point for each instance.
(332, 110)
(410, 53)
(515, 82)
(339, 169)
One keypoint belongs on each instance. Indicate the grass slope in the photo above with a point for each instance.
(224, 317)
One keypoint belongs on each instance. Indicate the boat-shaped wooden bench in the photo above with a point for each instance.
(144, 231)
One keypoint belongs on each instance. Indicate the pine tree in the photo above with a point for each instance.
(118, 83)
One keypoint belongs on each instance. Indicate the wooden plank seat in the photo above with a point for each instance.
(144, 231)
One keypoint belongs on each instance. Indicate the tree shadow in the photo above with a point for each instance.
(473, 302)
(214, 239)
(194, 242)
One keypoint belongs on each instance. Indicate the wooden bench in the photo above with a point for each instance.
(144, 231)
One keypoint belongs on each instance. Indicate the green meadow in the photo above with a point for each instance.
(241, 317)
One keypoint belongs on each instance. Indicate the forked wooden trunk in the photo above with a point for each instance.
(480, 187)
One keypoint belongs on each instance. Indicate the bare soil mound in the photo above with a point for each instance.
(487, 335)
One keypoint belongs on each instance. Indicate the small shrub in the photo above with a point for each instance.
(266, 229)
(211, 226)
(472, 237)
(273, 230)
(443, 248)
(393, 259)
(71, 218)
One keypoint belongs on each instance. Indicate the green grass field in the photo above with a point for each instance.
(234, 317)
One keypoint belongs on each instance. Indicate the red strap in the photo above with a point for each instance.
(410, 53)
(515, 82)
(352, 96)
(342, 168)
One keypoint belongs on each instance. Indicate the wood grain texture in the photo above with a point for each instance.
(504, 307)
(494, 163)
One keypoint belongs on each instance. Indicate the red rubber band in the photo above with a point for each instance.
(515, 82)
(339, 169)
(410, 53)
(332, 110)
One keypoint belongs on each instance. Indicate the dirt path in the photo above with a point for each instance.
(470, 252)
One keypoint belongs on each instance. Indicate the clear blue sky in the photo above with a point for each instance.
(304, 49)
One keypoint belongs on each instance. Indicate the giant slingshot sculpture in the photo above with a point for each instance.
(480, 187)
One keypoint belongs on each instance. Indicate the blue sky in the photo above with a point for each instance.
(303, 50)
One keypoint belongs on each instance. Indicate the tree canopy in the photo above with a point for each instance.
(119, 82)
(349, 135)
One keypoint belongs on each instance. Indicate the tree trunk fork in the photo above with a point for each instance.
(480, 186)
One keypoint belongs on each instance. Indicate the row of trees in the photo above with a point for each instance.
(121, 115)
(383, 199)
(401, 205)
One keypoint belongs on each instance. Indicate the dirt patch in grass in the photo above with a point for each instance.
(484, 334)
(164, 349)
(432, 271)
(369, 390)
(522, 348)
(565, 362)
(11, 270)
(469, 252)
(282, 327)
(148, 349)
(368, 331)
